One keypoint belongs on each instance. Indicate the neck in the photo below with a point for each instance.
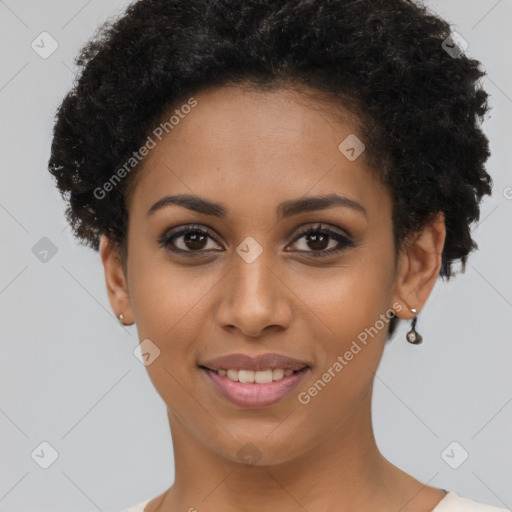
(344, 471)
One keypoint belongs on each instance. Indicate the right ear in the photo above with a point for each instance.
(115, 280)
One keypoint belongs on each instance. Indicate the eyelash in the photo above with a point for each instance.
(167, 239)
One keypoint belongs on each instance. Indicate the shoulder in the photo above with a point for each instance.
(138, 507)
(452, 502)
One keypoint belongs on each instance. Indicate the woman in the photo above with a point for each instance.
(271, 187)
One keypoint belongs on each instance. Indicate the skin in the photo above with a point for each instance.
(250, 151)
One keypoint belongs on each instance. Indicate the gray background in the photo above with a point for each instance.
(68, 374)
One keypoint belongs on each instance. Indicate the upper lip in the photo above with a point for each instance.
(255, 363)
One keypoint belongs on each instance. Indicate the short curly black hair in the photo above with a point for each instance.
(387, 61)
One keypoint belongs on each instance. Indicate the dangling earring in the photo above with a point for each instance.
(413, 336)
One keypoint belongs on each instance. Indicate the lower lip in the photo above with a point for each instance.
(252, 394)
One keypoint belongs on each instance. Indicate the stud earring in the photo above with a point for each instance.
(413, 336)
(121, 318)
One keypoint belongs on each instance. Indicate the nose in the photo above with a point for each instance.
(254, 298)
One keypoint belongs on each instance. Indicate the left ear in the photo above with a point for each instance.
(418, 267)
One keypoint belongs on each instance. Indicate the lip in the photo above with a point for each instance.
(252, 395)
(269, 360)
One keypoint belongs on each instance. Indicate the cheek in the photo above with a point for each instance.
(350, 349)
(167, 304)
(349, 299)
(352, 310)
(171, 308)
(167, 298)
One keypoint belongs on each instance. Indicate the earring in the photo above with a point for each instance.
(413, 336)
(121, 318)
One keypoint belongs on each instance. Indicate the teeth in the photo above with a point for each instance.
(232, 374)
(277, 373)
(250, 376)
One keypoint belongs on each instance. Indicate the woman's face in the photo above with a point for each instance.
(255, 284)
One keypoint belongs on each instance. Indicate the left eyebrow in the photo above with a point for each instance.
(284, 209)
(312, 203)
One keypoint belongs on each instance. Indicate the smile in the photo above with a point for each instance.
(250, 389)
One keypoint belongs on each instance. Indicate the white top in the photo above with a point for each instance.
(450, 503)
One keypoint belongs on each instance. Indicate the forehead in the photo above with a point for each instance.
(255, 147)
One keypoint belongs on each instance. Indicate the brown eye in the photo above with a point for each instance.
(195, 240)
(319, 239)
(187, 239)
